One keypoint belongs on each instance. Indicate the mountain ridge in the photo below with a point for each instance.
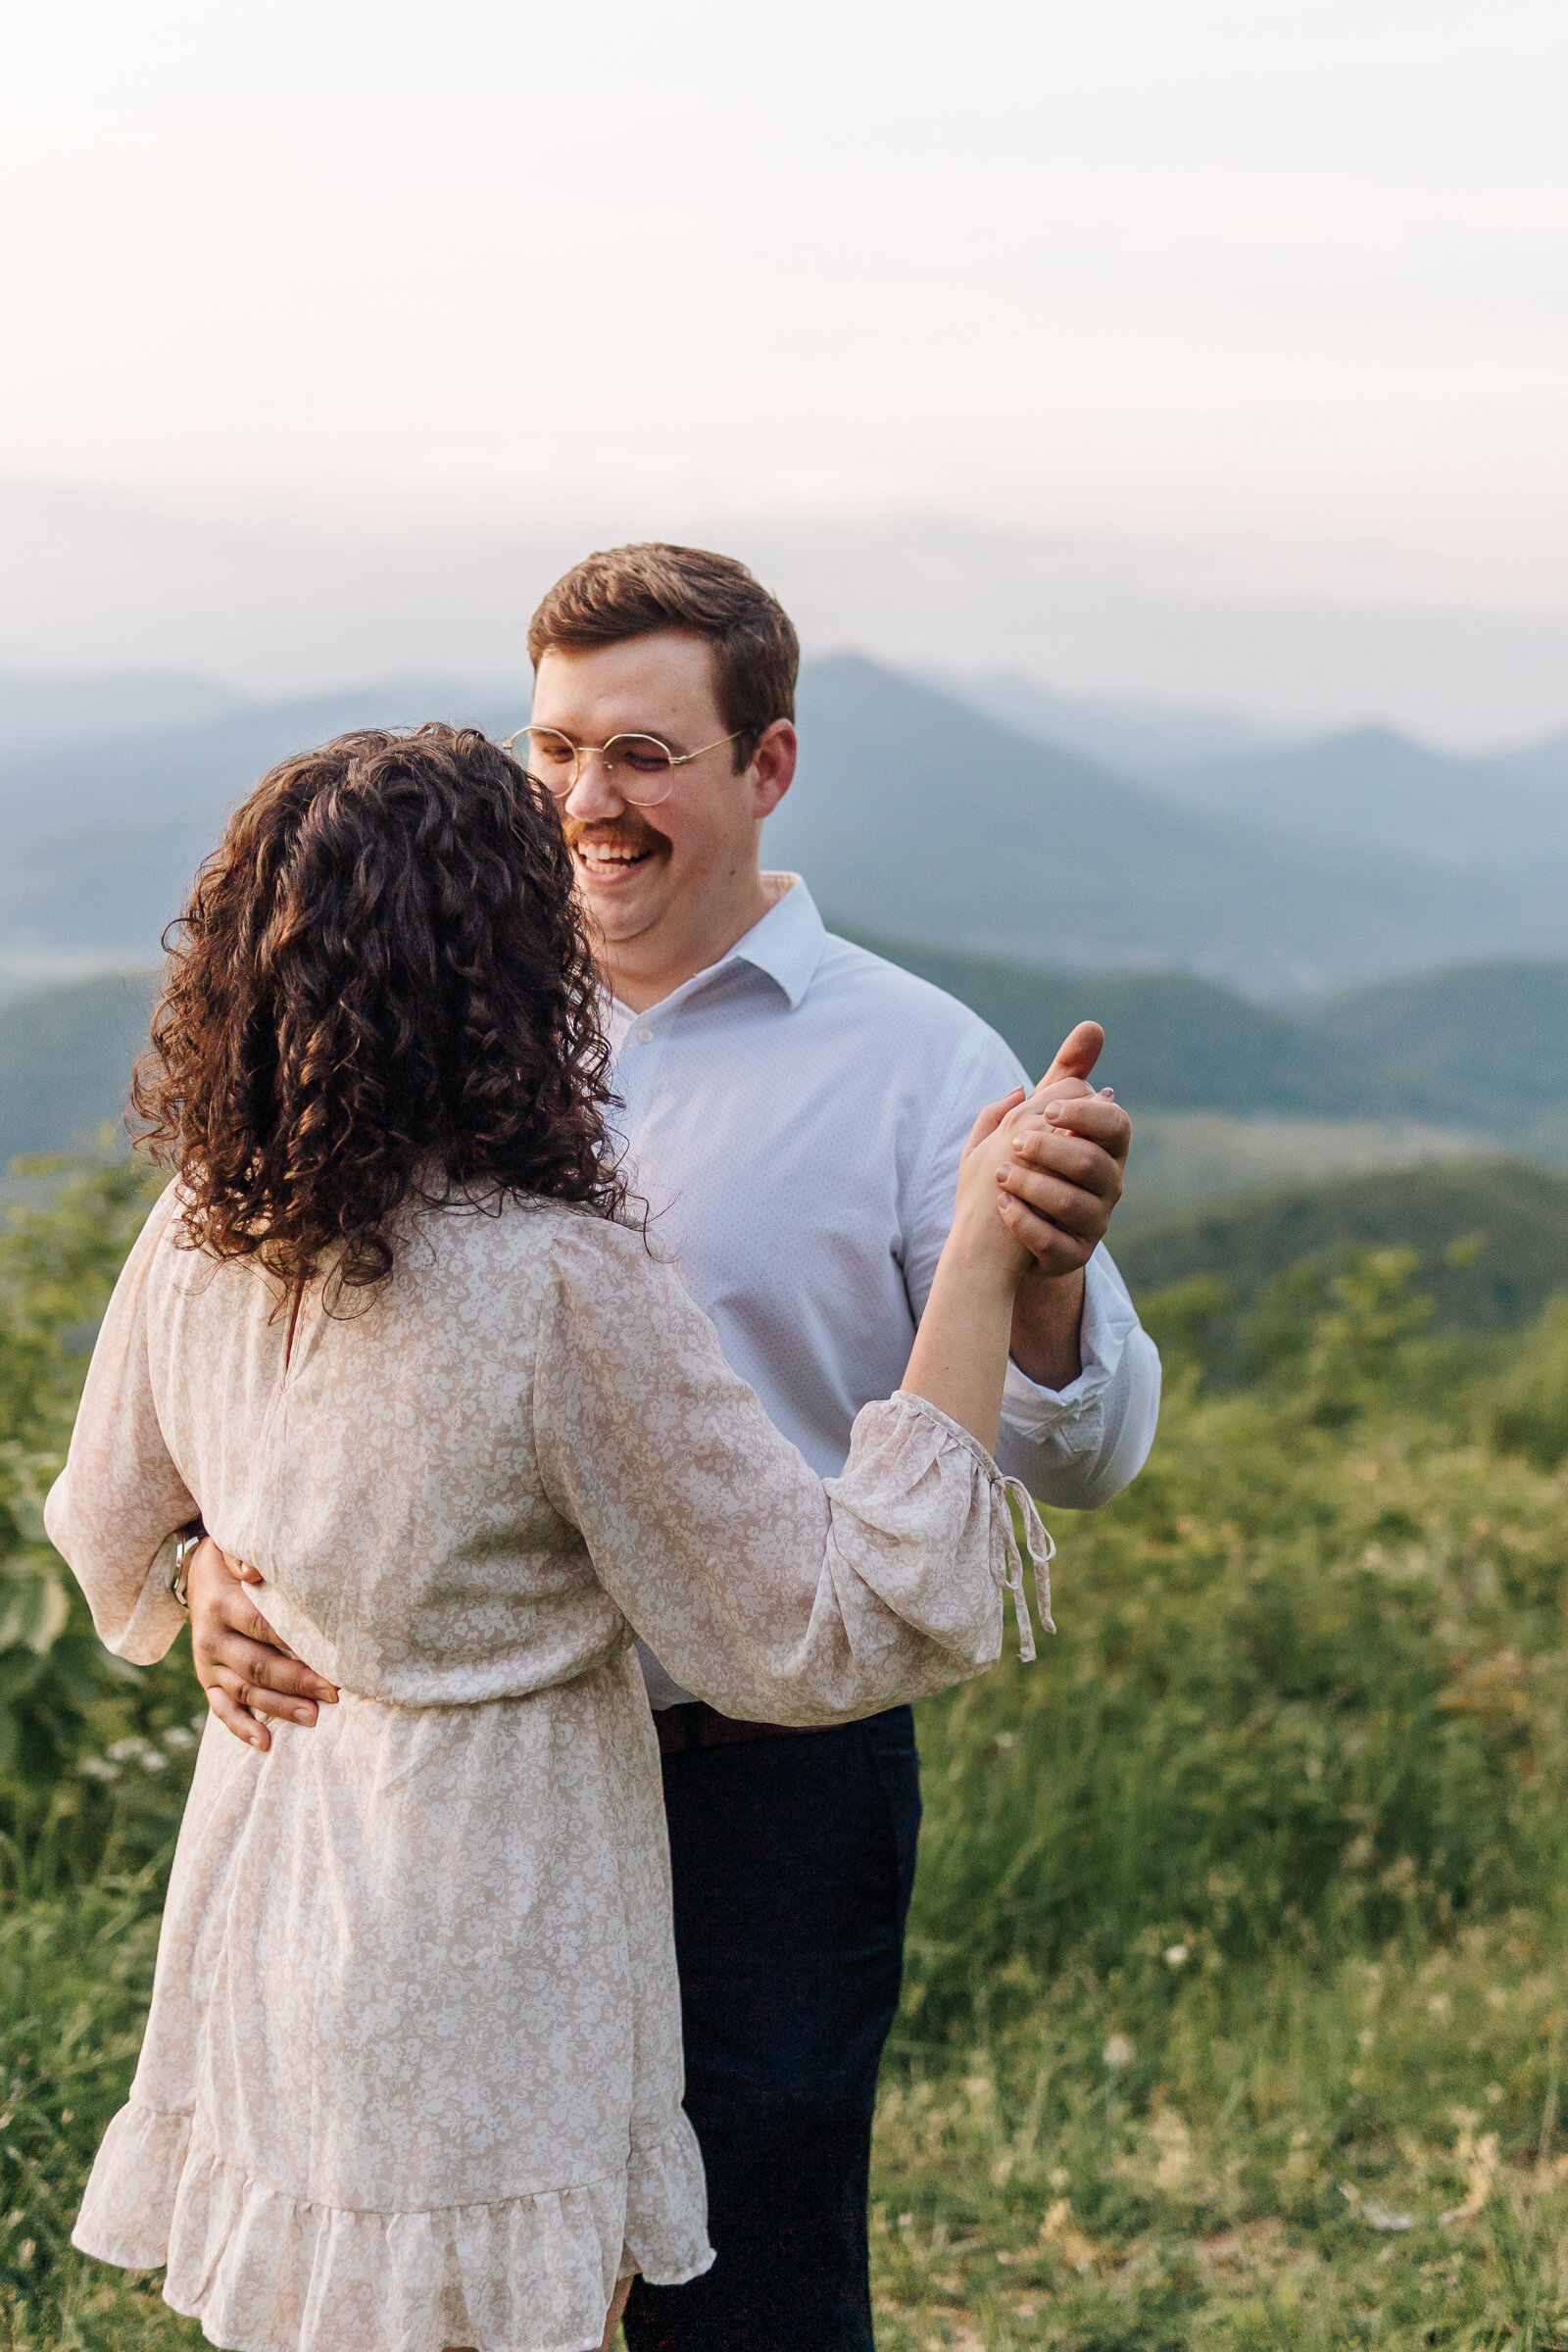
(914, 814)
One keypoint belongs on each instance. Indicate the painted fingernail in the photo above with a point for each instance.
(1003, 1174)
(1108, 1092)
(304, 1715)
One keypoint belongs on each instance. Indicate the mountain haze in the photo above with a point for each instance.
(918, 816)
(1361, 788)
(1378, 790)
(914, 815)
(1147, 742)
(103, 838)
(38, 712)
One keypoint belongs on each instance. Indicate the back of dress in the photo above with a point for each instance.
(376, 1465)
(471, 1482)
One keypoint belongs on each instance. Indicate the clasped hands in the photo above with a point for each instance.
(1058, 1184)
(1066, 1158)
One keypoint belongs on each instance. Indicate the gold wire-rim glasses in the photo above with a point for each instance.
(665, 784)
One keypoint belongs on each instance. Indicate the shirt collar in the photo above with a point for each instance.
(787, 944)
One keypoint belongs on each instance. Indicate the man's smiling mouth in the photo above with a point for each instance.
(606, 858)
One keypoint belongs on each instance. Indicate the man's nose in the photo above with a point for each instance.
(595, 796)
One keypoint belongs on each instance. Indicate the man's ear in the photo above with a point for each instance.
(774, 766)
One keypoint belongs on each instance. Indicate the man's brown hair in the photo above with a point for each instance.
(626, 592)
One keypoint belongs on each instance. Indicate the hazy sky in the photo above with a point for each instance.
(1235, 302)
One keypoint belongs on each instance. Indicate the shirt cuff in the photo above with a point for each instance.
(1109, 1318)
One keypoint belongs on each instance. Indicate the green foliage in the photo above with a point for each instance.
(1532, 1415)
(1310, 1685)
(1193, 1323)
(77, 1952)
(1491, 1237)
(1240, 1931)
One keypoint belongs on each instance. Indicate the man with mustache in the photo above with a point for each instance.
(794, 1109)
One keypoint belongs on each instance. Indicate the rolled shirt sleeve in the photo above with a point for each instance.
(1079, 1446)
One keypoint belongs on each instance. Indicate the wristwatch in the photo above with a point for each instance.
(185, 1543)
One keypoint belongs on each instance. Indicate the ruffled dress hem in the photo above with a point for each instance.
(262, 2271)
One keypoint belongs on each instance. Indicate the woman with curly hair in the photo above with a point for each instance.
(411, 2077)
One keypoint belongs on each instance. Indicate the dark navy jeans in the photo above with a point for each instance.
(793, 1861)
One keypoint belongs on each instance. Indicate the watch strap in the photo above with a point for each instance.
(185, 1543)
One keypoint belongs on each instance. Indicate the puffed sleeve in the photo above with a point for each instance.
(772, 1594)
(120, 1497)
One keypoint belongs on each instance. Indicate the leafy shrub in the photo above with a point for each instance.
(1532, 1415)
(1309, 1686)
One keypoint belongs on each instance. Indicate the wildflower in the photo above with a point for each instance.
(1175, 1954)
(1378, 2217)
(1119, 2052)
(177, 1737)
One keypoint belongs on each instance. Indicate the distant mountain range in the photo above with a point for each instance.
(1480, 1049)
(40, 713)
(66, 1058)
(103, 836)
(1282, 871)
(1144, 740)
(1492, 1236)
(916, 815)
(1361, 788)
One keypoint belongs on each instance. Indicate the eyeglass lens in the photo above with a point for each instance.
(638, 766)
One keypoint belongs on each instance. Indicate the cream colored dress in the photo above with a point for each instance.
(412, 2074)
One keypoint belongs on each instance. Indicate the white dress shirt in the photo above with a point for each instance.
(793, 1117)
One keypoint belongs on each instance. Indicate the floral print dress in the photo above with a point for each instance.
(411, 2077)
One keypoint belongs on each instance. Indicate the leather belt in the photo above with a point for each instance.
(698, 1724)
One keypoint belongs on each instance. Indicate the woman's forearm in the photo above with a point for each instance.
(960, 1357)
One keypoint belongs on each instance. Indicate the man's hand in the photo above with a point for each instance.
(240, 1663)
(1068, 1159)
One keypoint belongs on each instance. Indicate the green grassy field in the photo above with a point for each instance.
(1236, 2002)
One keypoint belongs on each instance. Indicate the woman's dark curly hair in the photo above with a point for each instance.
(380, 991)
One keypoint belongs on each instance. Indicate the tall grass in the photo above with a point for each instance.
(1236, 2003)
